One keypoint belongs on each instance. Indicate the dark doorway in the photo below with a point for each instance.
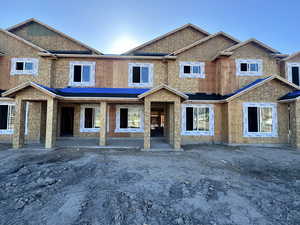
(67, 121)
(157, 122)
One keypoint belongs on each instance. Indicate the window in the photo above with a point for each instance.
(248, 67)
(7, 114)
(90, 118)
(197, 119)
(82, 74)
(192, 69)
(260, 119)
(293, 71)
(129, 118)
(140, 75)
(21, 66)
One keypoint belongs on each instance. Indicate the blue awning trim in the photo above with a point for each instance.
(290, 95)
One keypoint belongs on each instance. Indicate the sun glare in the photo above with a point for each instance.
(122, 45)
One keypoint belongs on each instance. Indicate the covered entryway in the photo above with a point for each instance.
(169, 101)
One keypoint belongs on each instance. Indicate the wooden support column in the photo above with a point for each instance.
(103, 123)
(147, 113)
(51, 123)
(19, 124)
(177, 119)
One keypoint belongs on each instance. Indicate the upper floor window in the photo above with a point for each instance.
(192, 69)
(260, 119)
(293, 71)
(249, 67)
(90, 118)
(20, 66)
(129, 118)
(140, 75)
(197, 119)
(7, 112)
(82, 74)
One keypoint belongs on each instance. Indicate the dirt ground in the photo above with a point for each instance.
(204, 185)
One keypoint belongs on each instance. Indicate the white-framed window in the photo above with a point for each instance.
(293, 72)
(24, 66)
(90, 118)
(129, 118)
(7, 112)
(82, 74)
(260, 119)
(192, 69)
(197, 119)
(249, 67)
(140, 74)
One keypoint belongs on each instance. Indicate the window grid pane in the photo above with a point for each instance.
(266, 121)
(187, 69)
(196, 69)
(96, 118)
(28, 66)
(77, 73)
(145, 74)
(86, 71)
(19, 66)
(10, 117)
(254, 67)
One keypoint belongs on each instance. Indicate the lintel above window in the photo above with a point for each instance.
(82, 74)
(24, 66)
(249, 67)
(140, 74)
(192, 69)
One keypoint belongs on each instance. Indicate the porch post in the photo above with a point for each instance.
(147, 112)
(51, 123)
(177, 119)
(103, 123)
(19, 124)
(295, 125)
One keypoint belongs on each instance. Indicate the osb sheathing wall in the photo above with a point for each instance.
(200, 53)
(269, 92)
(111, 121)
(219, 131)
(174, 42)
(295, 123)
(249, 51)
(14, 48)
(108, 73)
(283, 65)
(46, 38)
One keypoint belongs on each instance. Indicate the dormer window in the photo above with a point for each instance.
(293, 71)
(140, 75)
(192, 69)
(24, 66)
(82, 74)
(248, 67)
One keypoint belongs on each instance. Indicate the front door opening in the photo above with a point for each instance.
(67, 121)
(157, 122)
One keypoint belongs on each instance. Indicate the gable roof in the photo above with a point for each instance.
(292, 56)
(252, 40)
(163, 86)
(256, 84)
(23, 40)
(204, 40)
(166, 35)
(33, 20)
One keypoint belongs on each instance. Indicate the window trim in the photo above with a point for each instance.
(7, 131)
(34, 70)
(191, 75)
(129, 130)
(91, 83)
(82, 118)
(289, 70)
(130, 74)
(238, 63)
(198, 133)
(274, 132)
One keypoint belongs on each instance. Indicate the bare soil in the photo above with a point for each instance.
(204, 185)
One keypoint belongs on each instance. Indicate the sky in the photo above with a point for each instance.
(114, 27)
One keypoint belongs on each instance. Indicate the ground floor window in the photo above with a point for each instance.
(7, 115)
(129, 118)
(197, 119)
(260, 119)
(90, 118)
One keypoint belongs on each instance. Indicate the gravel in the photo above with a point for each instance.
(204, 185)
